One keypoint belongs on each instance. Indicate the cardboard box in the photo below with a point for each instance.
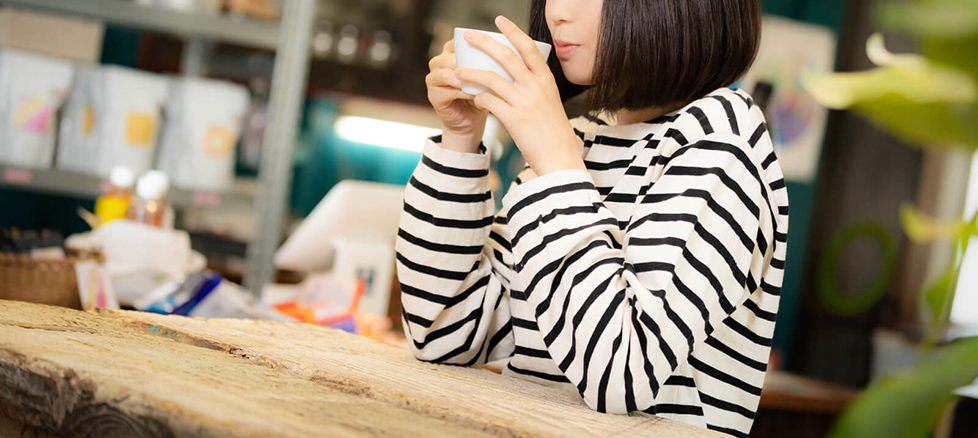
(74, 39)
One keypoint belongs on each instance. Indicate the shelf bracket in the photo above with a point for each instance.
(275, 169)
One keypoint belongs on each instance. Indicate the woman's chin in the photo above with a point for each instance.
(582, 80)
(574, 75)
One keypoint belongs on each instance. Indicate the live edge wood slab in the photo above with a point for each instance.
(66, 373)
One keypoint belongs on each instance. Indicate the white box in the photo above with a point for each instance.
(203, 125)
(32, 88)
(112, 118)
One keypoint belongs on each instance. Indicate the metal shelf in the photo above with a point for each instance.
(247, 32)
(78, 185)
(289, 38)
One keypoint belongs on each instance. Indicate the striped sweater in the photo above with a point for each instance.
(649, 282)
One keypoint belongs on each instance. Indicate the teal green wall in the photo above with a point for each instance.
(323, 159)
(830, 13)
(33, 211)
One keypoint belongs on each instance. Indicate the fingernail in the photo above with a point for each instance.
(458, 72)
(469, 35)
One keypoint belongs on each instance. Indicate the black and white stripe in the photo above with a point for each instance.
(649, 282)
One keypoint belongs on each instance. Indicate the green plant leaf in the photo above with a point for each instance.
(922, 102)
(947, 29)
(933, 125)
(936, 296)
(922, 228)
(908, 405)
(956, 53)
(971, 229)
(944, 18)
(910, 77)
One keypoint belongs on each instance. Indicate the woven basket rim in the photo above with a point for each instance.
(70, 259)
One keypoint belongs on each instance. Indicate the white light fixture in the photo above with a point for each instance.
(383, 133)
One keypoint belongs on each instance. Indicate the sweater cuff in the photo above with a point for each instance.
(476, 164)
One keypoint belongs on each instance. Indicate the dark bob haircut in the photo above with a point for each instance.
(653, 53)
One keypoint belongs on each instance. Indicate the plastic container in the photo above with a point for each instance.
(204, 119)
(112, 118)
(114, 203)
(32, 88)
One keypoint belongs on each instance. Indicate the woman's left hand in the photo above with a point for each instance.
(530, 108)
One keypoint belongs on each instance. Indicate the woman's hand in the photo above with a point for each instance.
(530, 108)
(462, 122)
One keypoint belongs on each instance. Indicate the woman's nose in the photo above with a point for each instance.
(560, 11)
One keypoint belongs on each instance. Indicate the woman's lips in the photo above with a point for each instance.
(564, 49)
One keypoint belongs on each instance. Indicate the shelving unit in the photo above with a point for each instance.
(246, 32)
(289, 38)
(59, 182)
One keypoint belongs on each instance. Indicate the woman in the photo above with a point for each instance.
(641, 262)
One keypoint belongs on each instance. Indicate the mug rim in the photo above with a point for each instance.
(463, 29)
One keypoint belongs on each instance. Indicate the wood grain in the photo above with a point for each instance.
(131, 374)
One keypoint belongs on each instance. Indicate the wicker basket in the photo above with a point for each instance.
(41, 281)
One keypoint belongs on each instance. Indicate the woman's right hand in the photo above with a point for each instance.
(462, 122)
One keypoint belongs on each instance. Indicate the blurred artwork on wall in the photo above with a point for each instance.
(796, 122)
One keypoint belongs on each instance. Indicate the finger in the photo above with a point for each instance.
(490, 80)
(444, 77)
(450, 46)
(493, 104)
(502, 54)
(525, 45)
(447, 95)
(443, 60)
(459, 94)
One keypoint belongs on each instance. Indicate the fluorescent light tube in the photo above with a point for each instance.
(383, 133)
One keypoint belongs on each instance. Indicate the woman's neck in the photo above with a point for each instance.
(628, 117)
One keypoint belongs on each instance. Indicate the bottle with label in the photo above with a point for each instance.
(150, 206)
(114, 203)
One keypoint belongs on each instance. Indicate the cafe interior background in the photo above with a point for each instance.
(281, 133)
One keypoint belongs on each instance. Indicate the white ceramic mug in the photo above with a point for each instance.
(468, 56)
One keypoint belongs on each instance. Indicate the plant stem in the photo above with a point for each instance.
(940, 325)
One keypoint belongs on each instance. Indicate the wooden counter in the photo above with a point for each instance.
(130, 374)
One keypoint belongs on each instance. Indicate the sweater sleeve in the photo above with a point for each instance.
(620, 310)
(453, 261)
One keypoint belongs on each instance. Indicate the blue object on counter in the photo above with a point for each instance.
(185, 297)
(211, 281)
(348, 324)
